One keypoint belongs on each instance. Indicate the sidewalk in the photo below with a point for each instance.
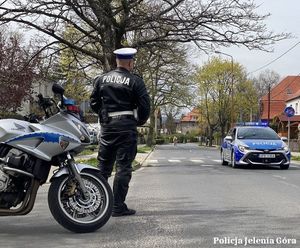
(139, 158)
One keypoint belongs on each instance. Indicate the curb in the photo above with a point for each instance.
(297, 162)
(140, 164)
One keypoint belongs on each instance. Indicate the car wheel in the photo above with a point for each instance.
(222, 158)
(284, 166)
(233, 164)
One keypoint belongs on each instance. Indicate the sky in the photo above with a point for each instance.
(285, 17)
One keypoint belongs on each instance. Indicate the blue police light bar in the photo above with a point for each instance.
(251, 124)
(69, 101)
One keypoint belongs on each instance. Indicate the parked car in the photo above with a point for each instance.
(94, 136)
(254, 144)
(94, 131)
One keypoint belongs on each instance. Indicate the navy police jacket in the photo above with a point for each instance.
(120, 90)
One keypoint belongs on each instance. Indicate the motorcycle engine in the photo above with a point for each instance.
(13, 186)
(4, 178)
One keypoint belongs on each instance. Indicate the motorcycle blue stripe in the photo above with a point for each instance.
(47, 137)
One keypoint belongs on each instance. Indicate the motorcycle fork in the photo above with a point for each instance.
(76, 174)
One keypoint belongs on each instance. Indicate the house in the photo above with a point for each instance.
(38, 87)
(286, 93)
(283, 91)
(189, 122)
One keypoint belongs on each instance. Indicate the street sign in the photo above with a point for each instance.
(289, 111)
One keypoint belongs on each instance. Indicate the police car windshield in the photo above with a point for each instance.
(257, 133)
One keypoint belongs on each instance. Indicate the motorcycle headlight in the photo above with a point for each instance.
(243, 148)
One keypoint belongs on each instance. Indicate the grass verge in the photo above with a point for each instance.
(89, 150)
(94, 162)
(144, 149)
(297, 158)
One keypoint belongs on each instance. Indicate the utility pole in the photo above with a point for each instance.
(269, 103)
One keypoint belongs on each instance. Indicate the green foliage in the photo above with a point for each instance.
(89, 150)
(296, 158)
(226, 95)
(70, 67)
(245, 101)
(144, 149)
(94, 162)
(159, 140)
(165, 70)
(91, 161)
(181, 138)
(191, 137)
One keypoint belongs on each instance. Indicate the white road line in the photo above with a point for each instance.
(207, 165)
(281, 177)
(196, 160)
(289, 184)
(217, 160)
(174, 160)
(152, 161)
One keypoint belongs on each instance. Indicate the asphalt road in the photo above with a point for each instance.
(183, 198)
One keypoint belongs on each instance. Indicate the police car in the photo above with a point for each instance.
(254, 144)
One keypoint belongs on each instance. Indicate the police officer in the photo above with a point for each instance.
(122, 102)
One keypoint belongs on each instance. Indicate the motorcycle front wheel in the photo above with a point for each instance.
(75, 212)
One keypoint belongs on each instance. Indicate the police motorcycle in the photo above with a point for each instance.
(79, 198)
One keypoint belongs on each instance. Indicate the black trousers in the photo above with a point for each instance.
(119, 147)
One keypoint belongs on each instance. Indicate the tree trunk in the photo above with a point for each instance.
(210, 135)
(151, 134)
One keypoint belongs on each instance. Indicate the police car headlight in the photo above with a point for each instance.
(243, 148)
(286, 149)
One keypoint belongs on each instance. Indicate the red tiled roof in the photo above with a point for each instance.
(287, 89)
(293, 96)
(276, 108)
(294, 118)
(191, 115)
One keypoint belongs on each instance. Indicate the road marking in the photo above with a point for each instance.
(174, 160)
(281, 177)
(289, 184)
(217, 160)
(196, 160)
(153, 161)
(207, 165)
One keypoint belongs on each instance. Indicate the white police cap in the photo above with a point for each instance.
(125, 53)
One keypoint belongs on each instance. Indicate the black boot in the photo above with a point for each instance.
(124, 212)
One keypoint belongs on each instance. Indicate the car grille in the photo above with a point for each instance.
(254, 157)
(264, 150)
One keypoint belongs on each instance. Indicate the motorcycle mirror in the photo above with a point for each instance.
(57, 89)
